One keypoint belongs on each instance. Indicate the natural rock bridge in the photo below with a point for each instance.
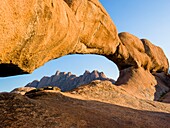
(35, 32)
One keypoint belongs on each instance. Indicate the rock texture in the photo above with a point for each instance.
(34, 32)
(22, 90)
(99, 104)
(67, 81)
(166, 98)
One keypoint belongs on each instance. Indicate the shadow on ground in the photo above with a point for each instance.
(56, 110)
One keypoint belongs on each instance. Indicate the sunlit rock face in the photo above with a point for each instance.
(22, 90)
(34, 32)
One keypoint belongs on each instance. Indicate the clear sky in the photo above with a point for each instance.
(148, 19)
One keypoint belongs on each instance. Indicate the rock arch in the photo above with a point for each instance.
(34, 32)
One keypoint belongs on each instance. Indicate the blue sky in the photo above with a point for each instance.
(148, 19)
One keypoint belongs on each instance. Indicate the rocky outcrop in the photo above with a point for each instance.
(22, 90)
(34, 32)
(67, 81)
(139, 62)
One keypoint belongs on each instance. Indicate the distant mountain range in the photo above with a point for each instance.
(68, 81)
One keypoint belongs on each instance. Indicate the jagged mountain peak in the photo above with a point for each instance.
(57, 73)
(67, 81)
(86, 72)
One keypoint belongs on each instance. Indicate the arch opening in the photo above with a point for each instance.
(75, 63)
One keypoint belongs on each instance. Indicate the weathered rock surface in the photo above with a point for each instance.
(166, 98)
(67, 81)
(142, 84)
(22, 90)
(99, 104)
(105, 91)
(34, 32)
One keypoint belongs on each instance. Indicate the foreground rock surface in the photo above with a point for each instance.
(88, 106)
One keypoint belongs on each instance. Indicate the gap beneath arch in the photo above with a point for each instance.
(76, 64)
